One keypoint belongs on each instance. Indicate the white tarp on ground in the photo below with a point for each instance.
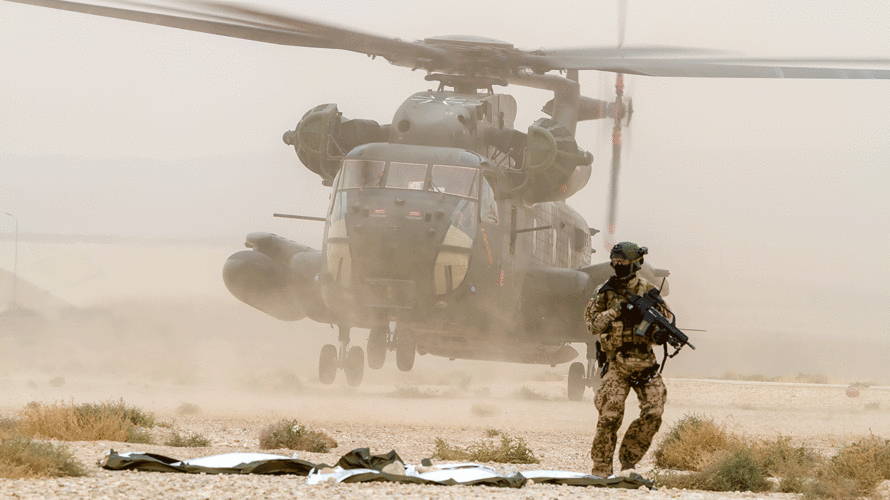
(444, 474)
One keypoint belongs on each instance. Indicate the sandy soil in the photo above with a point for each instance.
(384, 417)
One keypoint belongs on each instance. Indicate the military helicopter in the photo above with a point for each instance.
(447, 232)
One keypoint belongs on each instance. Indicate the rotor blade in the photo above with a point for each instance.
(249, 23)
(700, 63)
(622, 21)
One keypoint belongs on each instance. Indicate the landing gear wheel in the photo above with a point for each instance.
(405, 350)
(327, 364)
(577, 384)
(377, 348)
(355, 366)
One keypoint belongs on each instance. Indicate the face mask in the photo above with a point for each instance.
(622, 271)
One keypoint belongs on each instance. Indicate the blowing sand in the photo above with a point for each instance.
(185, 345)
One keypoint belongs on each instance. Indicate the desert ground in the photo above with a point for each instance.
(164, 338)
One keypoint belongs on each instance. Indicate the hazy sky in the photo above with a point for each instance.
(766, 199)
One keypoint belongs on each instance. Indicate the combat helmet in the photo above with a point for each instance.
(630, 252)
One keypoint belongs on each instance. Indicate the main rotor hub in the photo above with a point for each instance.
(468, 41)
(465, 84)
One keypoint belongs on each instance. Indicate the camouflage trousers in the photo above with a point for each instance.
(609, 402)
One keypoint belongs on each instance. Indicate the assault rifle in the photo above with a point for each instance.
(666, 331)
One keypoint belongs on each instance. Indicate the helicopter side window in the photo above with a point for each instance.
(406, 176)
(361, 173)
(460, 181)
(488, 207)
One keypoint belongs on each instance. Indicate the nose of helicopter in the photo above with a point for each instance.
(396, 252)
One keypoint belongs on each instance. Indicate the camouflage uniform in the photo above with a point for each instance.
(631, 364)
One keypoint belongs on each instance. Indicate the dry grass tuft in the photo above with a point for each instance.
(187, 441)
(724, 462)
(293, 435)
(109, 421)
(509, 451)
(693, 443)
(735, 470)
(8, 427)
(24, 458)
(793, 465)
(854, 471)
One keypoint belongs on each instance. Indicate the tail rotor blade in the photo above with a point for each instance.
(622, 21)
(615, 171)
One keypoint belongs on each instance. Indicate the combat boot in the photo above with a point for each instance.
(603, 473)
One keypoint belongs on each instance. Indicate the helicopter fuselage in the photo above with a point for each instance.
(420, 236)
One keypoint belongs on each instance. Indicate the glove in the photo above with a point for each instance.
(660, 337)
(629, 314)
(602, 320)
(611, 314)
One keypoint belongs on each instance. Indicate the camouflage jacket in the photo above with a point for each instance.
(616, 334)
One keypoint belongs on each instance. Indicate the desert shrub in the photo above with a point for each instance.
(734, 470)
(23, 457)
(188, 409)
(693, 443)
(492, 433)
(738, 470)
(293, 435)
(854, 471)
(509, 451)
(8, 427)
(483, 410)
(112, 421)
(793, 465)
(187, 441)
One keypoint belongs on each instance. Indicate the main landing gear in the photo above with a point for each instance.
(383, 338)
(350, 359)
(580, 378)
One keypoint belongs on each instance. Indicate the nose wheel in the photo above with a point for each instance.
(350, 359)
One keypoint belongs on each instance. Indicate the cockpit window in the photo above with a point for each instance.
(361, 173)
(406, 176)
(460, 181)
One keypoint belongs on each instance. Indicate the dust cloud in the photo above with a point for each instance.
(152, 322)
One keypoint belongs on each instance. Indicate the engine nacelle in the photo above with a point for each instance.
(551, 166)
(323, 136)
(277, 277)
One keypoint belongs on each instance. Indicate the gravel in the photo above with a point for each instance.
(559, 432)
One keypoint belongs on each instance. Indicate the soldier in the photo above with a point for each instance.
(631, 364)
